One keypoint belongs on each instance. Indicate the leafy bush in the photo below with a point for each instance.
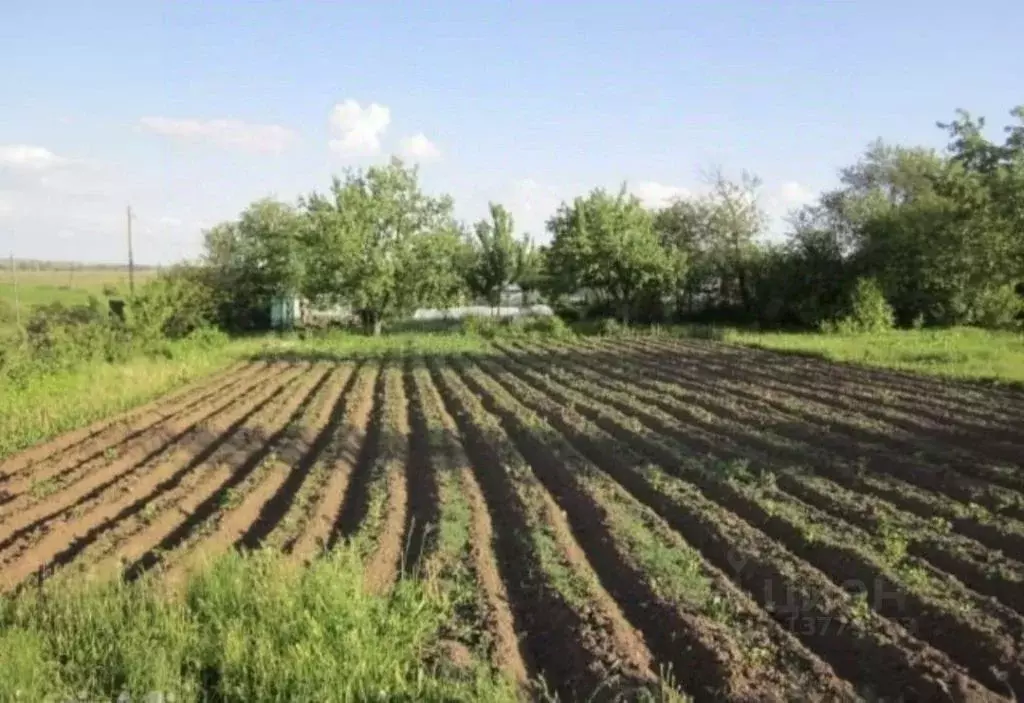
(481, 325)
(175, 304)
(523, 326)
(7, 313)
(610, 327)
(998, 308)
(870, 311)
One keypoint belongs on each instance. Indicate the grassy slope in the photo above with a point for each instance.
(962, 352)
(247, 628)
(45, 406)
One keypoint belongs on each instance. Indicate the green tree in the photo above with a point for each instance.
(254, 259)
(499, 256)
(376, 242)
(606, 244)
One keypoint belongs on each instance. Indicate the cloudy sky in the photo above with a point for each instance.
(190, 110)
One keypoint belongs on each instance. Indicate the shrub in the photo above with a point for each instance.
(997, 308)
(482, 325)
(7, 313)
(870, 311)
(528, 325)
(174, 305)
(610, 327)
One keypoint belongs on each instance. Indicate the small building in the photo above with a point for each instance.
(285, 312)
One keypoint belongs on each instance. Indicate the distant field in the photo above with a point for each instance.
(71, 287)
(959, 352)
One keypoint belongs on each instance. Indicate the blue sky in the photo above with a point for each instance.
(190, 110)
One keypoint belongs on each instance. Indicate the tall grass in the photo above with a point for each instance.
(959, 352)
(339, 344)
(248, 627)
(40, 406)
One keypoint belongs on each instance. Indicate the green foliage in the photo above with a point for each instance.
(490, 327)
(39, 402)
(960, 352)
(249, 628)
(498, 258)
(253, 260)
(607, 245)
(381, 245)
(176, 303)
(869, 310)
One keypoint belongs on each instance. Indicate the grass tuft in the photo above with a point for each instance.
(248, 627)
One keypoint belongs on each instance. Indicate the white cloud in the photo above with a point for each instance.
(357, 130)
(234, 134)
(419, 148)
(6, 206)
(658, 194)
(170, 222)
(793, 193)
(27, 157)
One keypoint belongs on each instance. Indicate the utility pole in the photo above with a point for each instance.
(17, 300)
(131, 257)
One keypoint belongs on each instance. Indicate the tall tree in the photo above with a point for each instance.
(254, 259)
(606, 244)
(499, 255)
(380, 244)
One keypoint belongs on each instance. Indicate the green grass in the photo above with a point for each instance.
(247, 628)
(41, 287)
(43, 406)
(961, 352)
(350, 345)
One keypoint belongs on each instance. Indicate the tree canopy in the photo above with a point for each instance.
(936, 235)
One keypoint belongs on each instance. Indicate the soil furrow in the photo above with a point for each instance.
(343, 458)
(984, 454)
(255, 504)
(859, 644)
(951, 429)
(86, 439)
(68, 453)
(463, 553)
(999, 533)
(357, 496)
(297, 501)
(704, 656)
(223, 473)
(875, 451)
(300, 451)
(942, 612)
(571, 656)
(423, 515)
(59, 547)
(387, 561)
(970, 395)
(48, 500)
(752, 436)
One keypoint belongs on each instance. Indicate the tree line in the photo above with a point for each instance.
(912, 236)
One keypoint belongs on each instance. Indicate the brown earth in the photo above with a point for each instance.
(855, 532)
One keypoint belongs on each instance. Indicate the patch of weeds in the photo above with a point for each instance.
(110, 453)
(231, 498)
(45, 488)
(733, 469)
(860, 607)
(893, 543)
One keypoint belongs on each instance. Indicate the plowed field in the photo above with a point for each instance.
(752, 526)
